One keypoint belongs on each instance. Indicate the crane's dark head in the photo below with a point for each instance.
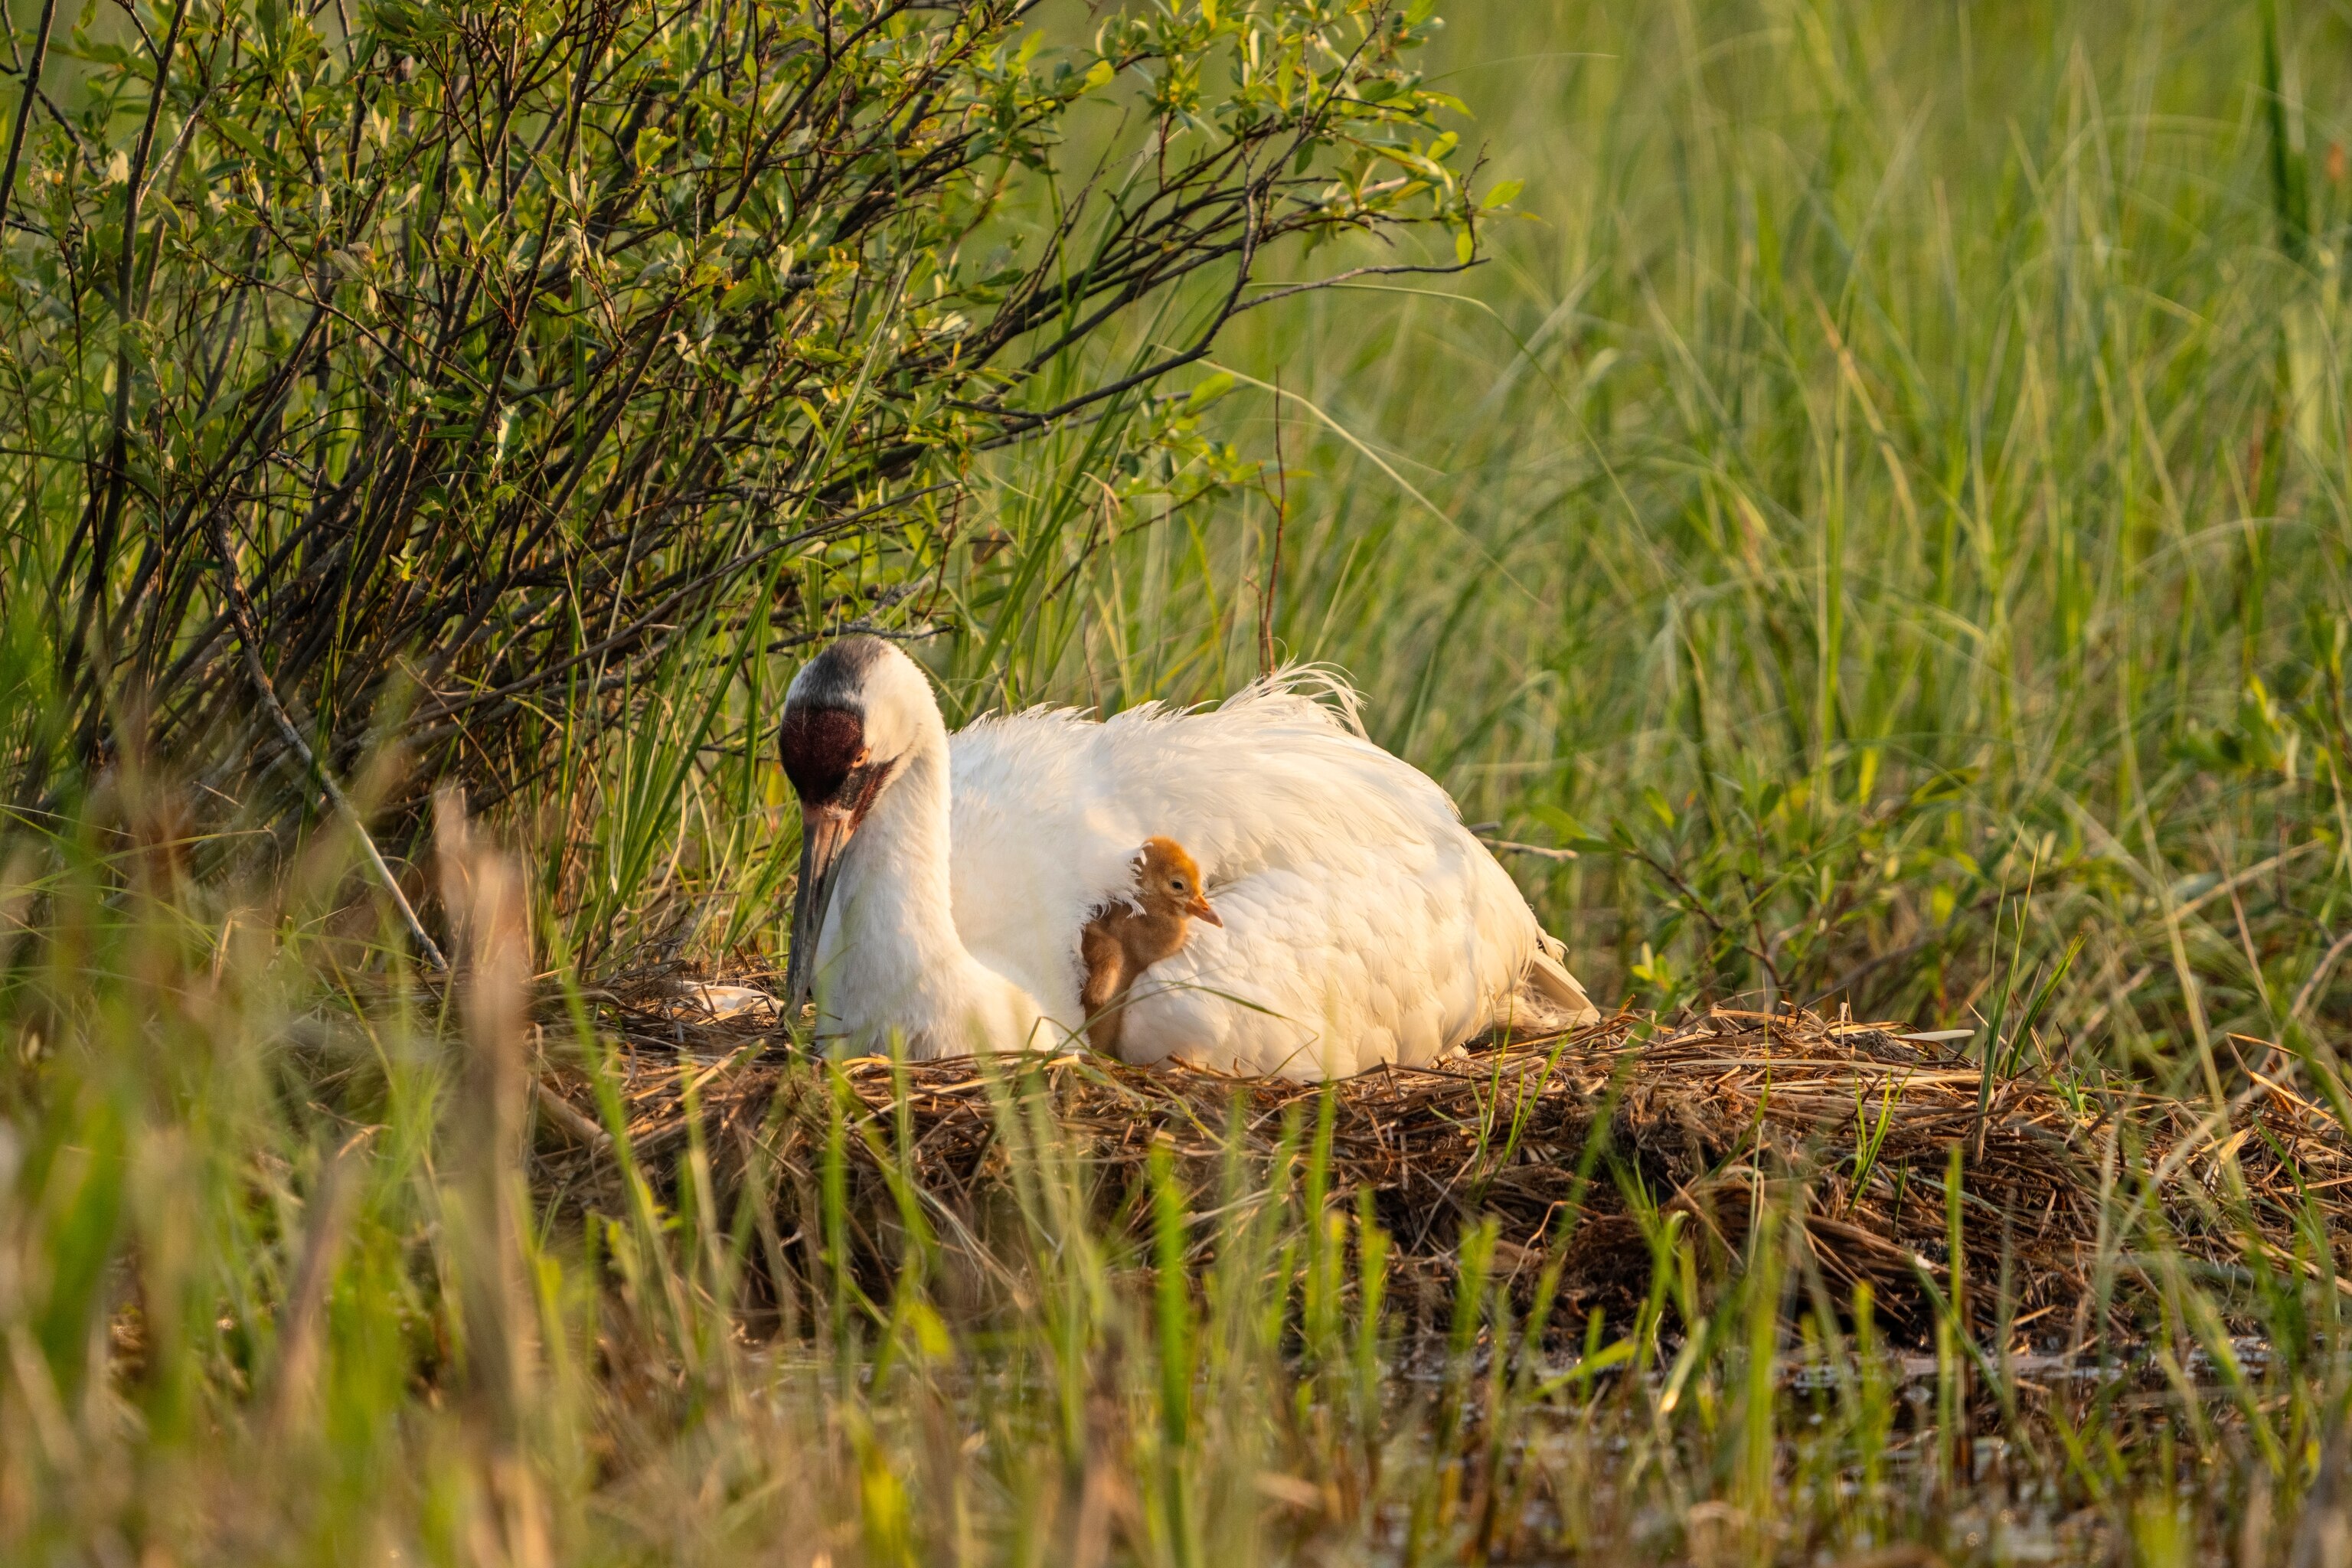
(854, 714)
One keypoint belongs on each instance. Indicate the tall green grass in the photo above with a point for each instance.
(1883, 506)
(259, 1304)
(1890, 485)
(1887, 488)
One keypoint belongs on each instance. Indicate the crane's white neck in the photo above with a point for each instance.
(898, 920)
(891, 957)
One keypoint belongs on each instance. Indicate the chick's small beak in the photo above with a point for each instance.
(1200, 909)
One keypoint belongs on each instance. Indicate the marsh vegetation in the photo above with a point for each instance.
(1853, 498)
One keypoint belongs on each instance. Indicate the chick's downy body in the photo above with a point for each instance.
(1124, 939)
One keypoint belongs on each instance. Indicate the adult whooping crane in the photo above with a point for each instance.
(945, 878)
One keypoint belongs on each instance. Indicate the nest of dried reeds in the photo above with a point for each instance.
(1585, 1146)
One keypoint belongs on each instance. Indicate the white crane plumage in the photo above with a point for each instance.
(945, 878)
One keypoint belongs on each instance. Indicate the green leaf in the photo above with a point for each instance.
(1948, 784)
(245, 141)
(1208, 392)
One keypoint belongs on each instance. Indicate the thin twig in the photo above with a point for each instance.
(241, 615)
(1543, 852)
(25, 109)
(1273, 557)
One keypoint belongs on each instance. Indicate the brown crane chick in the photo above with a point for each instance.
(1123, 941)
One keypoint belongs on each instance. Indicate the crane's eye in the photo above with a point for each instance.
(1175, 884)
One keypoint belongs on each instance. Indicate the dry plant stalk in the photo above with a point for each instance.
(298, 1344)
(483, 889)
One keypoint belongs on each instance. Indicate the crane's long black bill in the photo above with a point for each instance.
(824, 837)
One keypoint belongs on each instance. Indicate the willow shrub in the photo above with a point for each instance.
(477, 377)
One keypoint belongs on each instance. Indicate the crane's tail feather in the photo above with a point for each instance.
(1322, 687)
(1548, 979)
